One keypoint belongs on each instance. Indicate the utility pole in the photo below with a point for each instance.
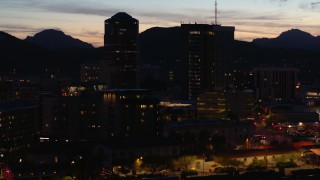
(204, 157)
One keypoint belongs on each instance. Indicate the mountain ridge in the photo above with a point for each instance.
(162, 47)
(31, 59)
(56, 39)
(293, 39)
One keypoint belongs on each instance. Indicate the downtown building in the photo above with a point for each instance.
(275, 83)
(225, 105)
(209, 54)
(72, 118)
(131, 113)
(119, 70)
(18, 127)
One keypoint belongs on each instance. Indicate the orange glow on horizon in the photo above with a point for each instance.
(240, 34)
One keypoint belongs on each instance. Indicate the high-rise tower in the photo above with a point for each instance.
(209, 54)
(120, 43)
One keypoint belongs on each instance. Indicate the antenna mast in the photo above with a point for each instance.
(216, 13)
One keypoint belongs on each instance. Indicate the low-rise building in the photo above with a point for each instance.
(235, 132)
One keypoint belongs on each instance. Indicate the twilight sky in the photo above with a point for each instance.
(84, 19)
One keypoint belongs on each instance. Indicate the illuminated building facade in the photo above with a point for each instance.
(227, 105)
(131, 113)
(172, 111)
(90, 73)
(243, 76)
(120, 43)
(277, 83)
(212, 105)
(18, 126)
(73, 118)
(209, 51)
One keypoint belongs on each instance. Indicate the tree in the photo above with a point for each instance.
(228, 162)
(257, 164)
(184, 161)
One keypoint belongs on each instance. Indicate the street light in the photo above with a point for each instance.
(137, 163)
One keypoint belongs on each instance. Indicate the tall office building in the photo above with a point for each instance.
(209, 53)
(120, 43)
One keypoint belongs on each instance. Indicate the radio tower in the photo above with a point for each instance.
(216, 13)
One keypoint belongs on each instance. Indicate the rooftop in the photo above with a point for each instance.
(15, 105)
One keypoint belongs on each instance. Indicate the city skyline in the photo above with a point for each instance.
(84, 19)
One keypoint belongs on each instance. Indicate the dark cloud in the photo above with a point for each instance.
(78, 9)
(315, 5)
(100, 10)
(279, 1)
(72, 7)
(22, 28)
(240, 15)
(310, 6)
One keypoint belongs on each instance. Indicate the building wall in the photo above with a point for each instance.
(235, 132)
(275, 83)
(131, 113)
(241, 103)
(18, 127)
(73, 118)
(121, 51)
(209, 53)
(225, 105)
(89, 73)
(212, 105)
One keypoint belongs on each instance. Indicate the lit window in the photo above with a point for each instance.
(210, 33)
(56, 160)
(143, 106)
(194, 32)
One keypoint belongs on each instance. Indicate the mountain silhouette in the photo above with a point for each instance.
(32, 59)
(55, 39)
(158, 46)
(9, 42)
(293, 39)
